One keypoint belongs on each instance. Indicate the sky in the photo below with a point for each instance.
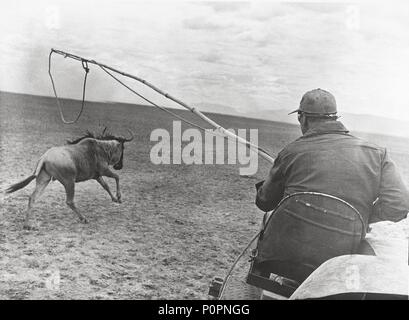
(258, 55)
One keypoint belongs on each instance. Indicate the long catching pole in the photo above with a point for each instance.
(219, 128)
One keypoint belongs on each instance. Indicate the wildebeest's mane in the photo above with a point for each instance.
(103, 136)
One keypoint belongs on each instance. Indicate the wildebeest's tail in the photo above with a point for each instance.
(20, 185)
(23, 183)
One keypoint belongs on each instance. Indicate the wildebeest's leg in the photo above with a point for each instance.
(70, 190)
(108, 173)
(42, 181)
(106, 187)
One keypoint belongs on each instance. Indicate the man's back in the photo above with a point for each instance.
(327, 159)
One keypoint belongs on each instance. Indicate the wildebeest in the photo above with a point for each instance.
(85, 158)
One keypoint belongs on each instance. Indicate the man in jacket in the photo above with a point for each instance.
(329, 160)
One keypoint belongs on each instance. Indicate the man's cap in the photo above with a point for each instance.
(317, 102)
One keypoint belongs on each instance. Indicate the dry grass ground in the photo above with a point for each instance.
(178, 225)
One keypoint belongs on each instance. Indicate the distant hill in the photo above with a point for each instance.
(217, 108)
(374, 124)
(354, 122)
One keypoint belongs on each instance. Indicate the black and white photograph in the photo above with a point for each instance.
(204, 151)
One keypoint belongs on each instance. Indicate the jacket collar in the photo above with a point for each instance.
(327, 127)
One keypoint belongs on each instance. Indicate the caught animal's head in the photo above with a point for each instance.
(118, 153)
(115, 148)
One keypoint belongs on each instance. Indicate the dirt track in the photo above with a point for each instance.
(177, 228)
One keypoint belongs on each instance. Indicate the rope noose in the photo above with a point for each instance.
(86, 69)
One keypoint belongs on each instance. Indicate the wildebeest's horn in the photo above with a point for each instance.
(131, 138)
